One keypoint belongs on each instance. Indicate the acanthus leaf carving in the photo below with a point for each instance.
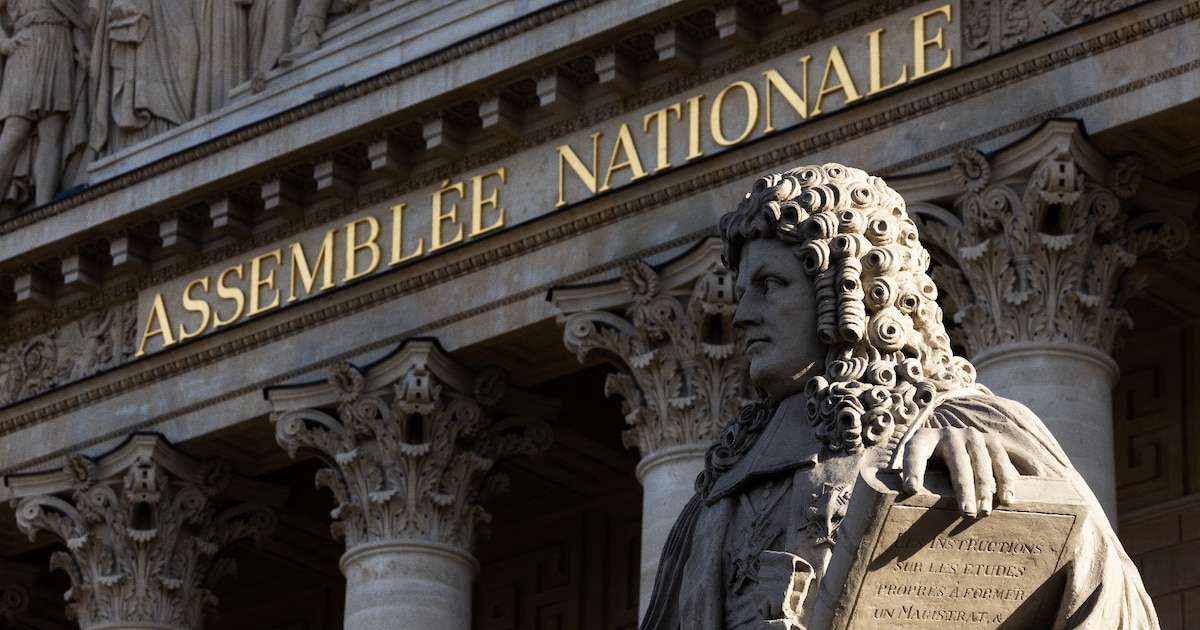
(1049, 259)
(680, 367)
(77, 349)
(992, 27)
(411, 461)
(142, 543)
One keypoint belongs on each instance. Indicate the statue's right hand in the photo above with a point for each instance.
(980, 468)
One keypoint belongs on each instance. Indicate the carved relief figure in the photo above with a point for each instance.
(144, 70)
(847, 348)
(45, 46)
(309, 25)
(224, 62)
(269, 38)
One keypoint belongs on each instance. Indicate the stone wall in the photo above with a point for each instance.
(1155, 411)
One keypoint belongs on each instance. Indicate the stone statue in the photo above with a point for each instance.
(847, 348)
(222, 37)
(144, 69)
(309, 25)
(269, 22)
(41, 91)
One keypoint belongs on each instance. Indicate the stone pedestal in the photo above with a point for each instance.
(1069, 387)
(425, 585)
(667, 477)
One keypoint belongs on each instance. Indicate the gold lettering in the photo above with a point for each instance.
(798, 102)
(158, 315)
(257, 281)
(588, 177)
(478, 201)
(715, 115)
(694, 148)
(308, 275)
(230, 293)
(846, 84)
(663, 134)
(921, 43)
(877, 85)
(353, 246)
(624, 144)
(398, 238)
(196, 306)
(451, 215)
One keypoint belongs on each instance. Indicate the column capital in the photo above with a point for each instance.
(669, 332)
(1037, 243)
(143, 525)
(410, 443)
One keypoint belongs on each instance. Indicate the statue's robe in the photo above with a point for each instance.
(750, 552)
(145, 60)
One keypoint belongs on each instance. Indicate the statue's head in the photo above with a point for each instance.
(869, 347)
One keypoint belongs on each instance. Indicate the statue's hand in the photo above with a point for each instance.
(9, 45)
(980, 468)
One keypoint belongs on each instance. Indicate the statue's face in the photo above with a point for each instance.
(777, 309)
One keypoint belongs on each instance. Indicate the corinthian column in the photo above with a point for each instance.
(680, 374)
(1035, 262)
(142, 532)
(409, 446)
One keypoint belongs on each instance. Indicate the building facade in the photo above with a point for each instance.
(413, 311)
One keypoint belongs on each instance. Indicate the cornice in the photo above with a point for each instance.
(435, 60)
(285, 329)
(315, 218)
(594, 219)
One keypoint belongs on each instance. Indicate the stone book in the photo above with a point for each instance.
(913, 561)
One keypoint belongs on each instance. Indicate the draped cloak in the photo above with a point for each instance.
(772, 518)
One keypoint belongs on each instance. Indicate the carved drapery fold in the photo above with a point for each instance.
(143, 526)
(680, 365)
(411, 460)
(1046, 258)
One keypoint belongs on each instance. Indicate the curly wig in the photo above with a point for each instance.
(889, 355)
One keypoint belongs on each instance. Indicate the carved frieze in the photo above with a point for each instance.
(991, 26)
(679, 359)
(410, 445)
(98, 341)
(1044, 254)
(143, 526)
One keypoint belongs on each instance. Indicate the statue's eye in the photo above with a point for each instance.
(771, 282)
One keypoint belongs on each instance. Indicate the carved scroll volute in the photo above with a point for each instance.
(680, 367)
(1046, 259)
(142, 535)
(411, 461)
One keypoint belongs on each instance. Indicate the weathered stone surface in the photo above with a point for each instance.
(847, 347)
(144, 526)
(913, 561)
